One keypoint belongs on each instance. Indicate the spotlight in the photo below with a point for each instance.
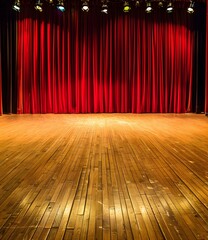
(160, 4)
(170, 7)
(16, 5)
(190, 9)
(126, 7)
(104, 8)
(85, 7)
(137, 3)
(38, 6)
(148, 8)
(60, 5)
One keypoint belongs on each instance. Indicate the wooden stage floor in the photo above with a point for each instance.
(104, 176)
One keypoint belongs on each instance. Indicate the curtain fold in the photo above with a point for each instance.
(79, 63)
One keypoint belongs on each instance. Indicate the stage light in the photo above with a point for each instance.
(170, 7)
(190, 9)
(148, 8)
(16, 5)
(126, 7)
(160, 4)
(85, 6)
(38, 6)
(137, 3)
(104, 8)
(60, 5)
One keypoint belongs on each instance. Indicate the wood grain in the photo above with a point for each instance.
(104, 176)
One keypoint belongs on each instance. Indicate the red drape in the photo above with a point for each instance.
(80, 63)
(206, 66)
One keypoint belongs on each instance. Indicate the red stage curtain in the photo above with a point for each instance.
(206, 66)
(80, 63)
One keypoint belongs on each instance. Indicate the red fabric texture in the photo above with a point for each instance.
(120, 63)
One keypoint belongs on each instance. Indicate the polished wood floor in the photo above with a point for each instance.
(104, 176)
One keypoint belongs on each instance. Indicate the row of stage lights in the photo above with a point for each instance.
(38, 5)
(149, 8)
(104, 8)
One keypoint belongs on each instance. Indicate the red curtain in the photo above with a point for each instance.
(206, 66)
(79, 63)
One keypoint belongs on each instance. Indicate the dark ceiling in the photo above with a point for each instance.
(7, 4)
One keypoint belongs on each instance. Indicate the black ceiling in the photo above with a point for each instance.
(7, 4)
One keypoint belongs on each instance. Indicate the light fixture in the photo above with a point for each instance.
(85, 6)
(38, 6)
(170, 7)
(137, 3)
(148, 7)
(104, 8)
(160, 4)
(16, 5)
(190, 9)
(126, 7)
(60, 5)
